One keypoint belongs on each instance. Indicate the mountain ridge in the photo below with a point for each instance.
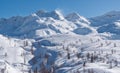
(54, 21)
(44, 23)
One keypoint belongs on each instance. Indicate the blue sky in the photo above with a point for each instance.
(87, 8)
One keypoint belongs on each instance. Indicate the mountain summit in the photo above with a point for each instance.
(43, 23)
(75, 17)
(56, 14)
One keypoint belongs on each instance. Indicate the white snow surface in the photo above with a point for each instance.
(53, 43)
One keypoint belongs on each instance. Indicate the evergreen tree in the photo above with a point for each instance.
(78, 55)
(92, 58)
(68, 55)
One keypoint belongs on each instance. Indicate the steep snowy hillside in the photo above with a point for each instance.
(108, 22)
(81, 22)
(13, 55)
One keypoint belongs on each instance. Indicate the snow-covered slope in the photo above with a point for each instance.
(13, 56)
(49, 42)
(82, 24)
(71, 53)
(108, 22)
(105, 19)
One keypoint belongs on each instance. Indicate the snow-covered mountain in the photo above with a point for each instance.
(50, 42)
(108, 22)
(43, 23)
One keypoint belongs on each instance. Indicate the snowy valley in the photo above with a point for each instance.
(50, 42)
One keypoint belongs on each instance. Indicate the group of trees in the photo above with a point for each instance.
(43, 66)
(90, 57)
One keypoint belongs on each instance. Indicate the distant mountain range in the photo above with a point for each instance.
(43, 23)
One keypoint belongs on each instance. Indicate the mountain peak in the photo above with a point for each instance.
(40, 12)
(74, 17)
(56, 14)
